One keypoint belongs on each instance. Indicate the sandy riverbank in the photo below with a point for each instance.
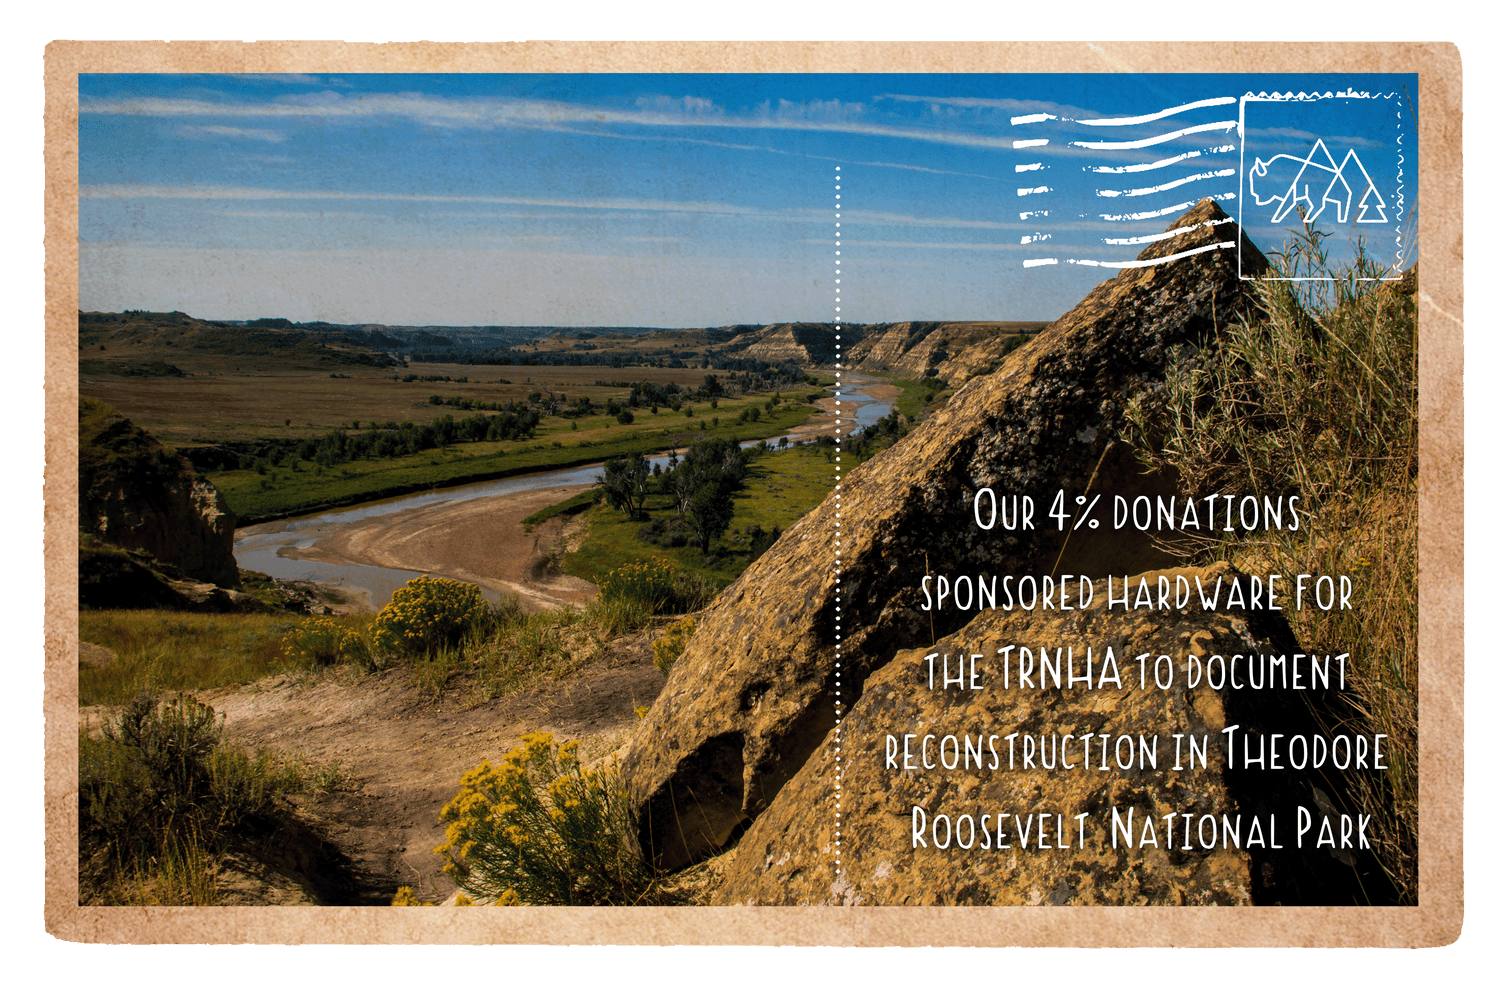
(827, 423)
(477, 540)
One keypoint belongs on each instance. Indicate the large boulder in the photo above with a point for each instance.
(894, 849)
(753, 694)
(136, 494)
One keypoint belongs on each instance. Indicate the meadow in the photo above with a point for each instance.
(254, 415)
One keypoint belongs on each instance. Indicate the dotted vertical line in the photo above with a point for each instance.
(838, 486)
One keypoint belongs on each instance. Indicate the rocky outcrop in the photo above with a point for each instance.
(134, 493)
(753, 695)
(803, 343)
(952, 351)
(113, 577)
(893, 849)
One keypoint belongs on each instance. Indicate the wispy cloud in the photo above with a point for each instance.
(231, 132)
(1003, 247)
(1292, 134)
(282, 78)
(274, 214)
(228, 193)
(767, 150)
(232, 193)
(852, 219)
(856, 217)
(815, 116)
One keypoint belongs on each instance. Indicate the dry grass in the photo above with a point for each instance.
(1316, 395)
(165, 650)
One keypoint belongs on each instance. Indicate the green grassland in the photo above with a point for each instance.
(298, 487)
(919, 396)
(780, 488)
(167, 650)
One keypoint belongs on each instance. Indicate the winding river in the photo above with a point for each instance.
(271, 548)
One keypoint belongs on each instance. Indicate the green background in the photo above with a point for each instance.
(32, 954)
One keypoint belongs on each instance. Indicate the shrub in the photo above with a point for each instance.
(647, 582)
(159, 793)
(670, 532)
(427, 615)
(670, 646)
(324, 641)
(543, 830)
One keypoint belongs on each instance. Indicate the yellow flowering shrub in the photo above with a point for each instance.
(540, 829)
(647, 582)
(323, 641)
(670, 646)
(405, 896)
(427, 615)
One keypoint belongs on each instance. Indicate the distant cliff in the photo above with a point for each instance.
(954, 351)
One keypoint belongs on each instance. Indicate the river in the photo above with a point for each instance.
(265, 547)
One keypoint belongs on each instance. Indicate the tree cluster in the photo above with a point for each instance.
(701, 485)
(393, 440)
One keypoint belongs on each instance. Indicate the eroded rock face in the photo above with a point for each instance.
(752, 696)
(133, 493)
(787, 856)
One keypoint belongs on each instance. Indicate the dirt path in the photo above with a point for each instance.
(477, 540)
(404, 752)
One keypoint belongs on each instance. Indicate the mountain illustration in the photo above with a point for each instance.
(1287, 181)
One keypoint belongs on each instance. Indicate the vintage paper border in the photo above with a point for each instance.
(1436, 921)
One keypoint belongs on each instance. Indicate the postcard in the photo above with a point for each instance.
(831, 494)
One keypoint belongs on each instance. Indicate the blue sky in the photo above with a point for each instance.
(690, 200)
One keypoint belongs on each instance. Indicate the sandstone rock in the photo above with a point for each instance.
(753, 694)
(913, 348)
(788, 855)
(133, 493)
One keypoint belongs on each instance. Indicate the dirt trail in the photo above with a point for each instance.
(405, 752)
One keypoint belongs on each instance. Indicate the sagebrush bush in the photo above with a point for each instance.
(540, 829)
(159, 793)
(666, 650)
(429, 614)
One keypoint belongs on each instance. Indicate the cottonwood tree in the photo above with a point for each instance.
(624, 483)
(704, 484)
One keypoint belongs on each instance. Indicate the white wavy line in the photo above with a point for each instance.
(1137, 264)
(1304, 96)
(1400, 196)
(1033, 118)
(1137, 192)
(1158, 237)
(1032, 191)
(1027, 215)
(1149, 141)
(1132, 120)
(1028, 167)
(1164, 162)
(1182, 207)
(1022, 144)
(1050, 261)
